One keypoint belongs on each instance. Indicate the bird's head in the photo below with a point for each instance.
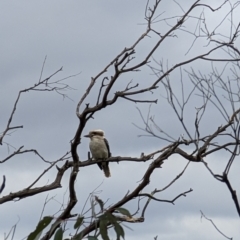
(94, 133)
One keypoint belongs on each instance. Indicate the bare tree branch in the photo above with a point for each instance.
(202, 215)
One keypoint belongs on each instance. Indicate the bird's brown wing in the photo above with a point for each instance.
(108, 148)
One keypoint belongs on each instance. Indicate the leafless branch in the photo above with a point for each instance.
(210, 220)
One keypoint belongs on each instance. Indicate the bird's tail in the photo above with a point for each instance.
(106, 170)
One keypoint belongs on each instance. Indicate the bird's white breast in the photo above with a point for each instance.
(98, 148)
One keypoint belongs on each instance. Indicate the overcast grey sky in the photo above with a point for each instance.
(83, 37)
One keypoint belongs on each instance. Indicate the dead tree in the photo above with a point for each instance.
(200, 146)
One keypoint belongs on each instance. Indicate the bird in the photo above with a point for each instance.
(99, 148)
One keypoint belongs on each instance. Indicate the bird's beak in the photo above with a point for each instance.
(87, 135)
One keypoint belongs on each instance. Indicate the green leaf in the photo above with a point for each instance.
(41, 225)
(77, 237)
(111, 218)
(100, 202)
(103, 228)
(92, 238)
(124, 211)
(119, 231)
(79, 222)
(59, 234)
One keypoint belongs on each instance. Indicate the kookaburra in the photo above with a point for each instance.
(99, 148)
